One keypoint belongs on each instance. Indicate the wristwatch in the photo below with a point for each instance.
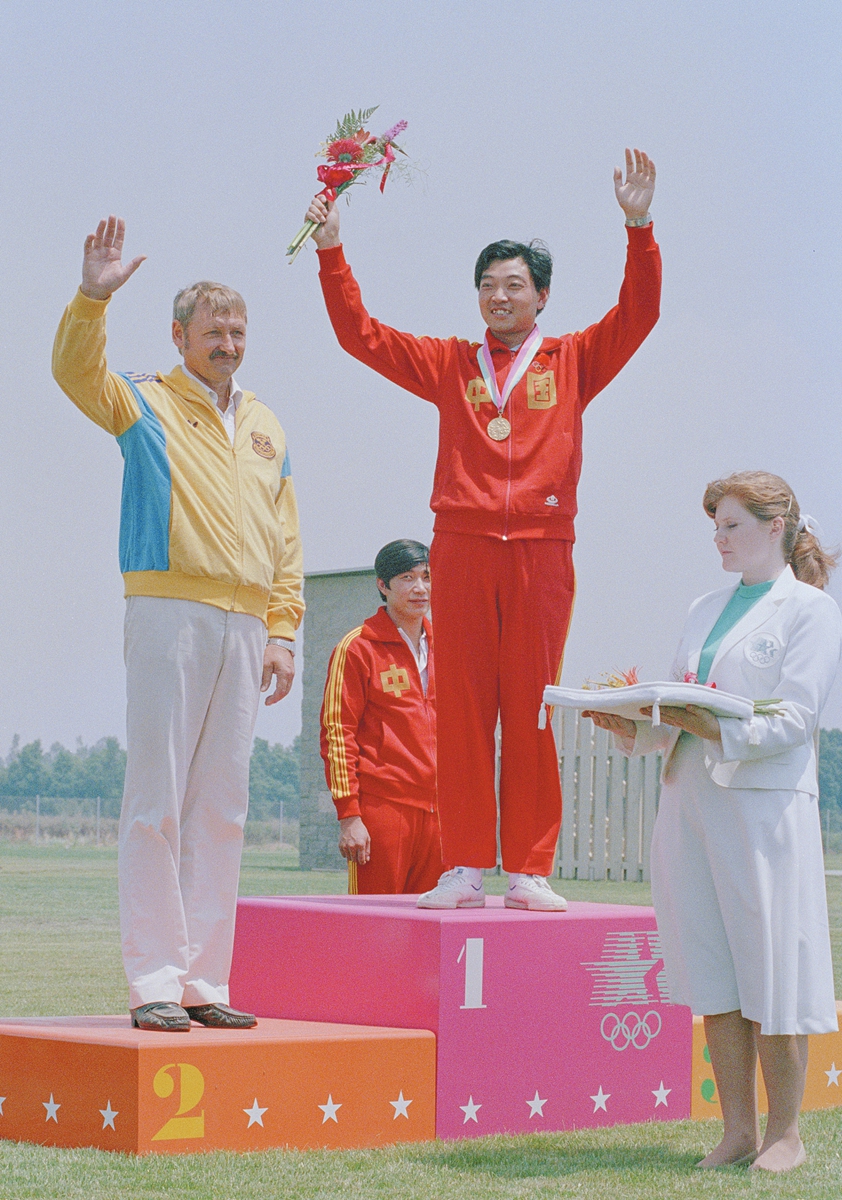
(638, 222)
(285, 642)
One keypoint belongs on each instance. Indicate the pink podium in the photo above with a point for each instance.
(542, 1020)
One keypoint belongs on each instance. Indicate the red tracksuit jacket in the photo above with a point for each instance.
(524, 486)
(378, 729)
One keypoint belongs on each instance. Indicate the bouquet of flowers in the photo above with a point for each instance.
(616, 679)
(352, 153)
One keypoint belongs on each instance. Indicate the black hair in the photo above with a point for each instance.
(398, 557)
(536, 256)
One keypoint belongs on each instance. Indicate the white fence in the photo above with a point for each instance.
(610, 803)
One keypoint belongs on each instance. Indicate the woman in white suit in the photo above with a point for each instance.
(737, 866)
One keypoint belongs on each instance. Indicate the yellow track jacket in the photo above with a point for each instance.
(201, 519)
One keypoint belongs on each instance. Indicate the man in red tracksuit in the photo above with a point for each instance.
(504, 496)
(379, 732)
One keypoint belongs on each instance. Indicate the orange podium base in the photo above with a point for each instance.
(824, 1081)
(95, 1081)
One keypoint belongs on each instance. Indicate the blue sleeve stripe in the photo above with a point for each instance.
(285, 468)
(147, 490)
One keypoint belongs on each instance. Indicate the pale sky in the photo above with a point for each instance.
(198, 122)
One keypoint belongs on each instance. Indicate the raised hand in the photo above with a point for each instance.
(102, 267)
(635, 194)
(326, 215)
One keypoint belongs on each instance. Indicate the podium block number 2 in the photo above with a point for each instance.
(190, 1091)
(472, 952)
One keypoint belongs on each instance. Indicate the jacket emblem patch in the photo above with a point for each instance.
(395, 680)
(540, 390)
(261, 444)
(552, 501)
(476, 394)
(763, 650)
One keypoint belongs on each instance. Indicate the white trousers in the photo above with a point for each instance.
(193, 685)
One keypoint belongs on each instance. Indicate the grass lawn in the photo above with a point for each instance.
(58, 909)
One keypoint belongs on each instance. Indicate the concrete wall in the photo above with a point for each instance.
(337, 601)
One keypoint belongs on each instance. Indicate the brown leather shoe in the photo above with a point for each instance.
(220, 1016)
(161, 1016)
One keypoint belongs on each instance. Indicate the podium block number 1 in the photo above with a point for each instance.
(472, 951)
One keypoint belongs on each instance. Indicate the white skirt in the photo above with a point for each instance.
(739, 892)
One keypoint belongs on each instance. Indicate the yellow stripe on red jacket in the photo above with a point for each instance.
(338, 775)
(378, 729)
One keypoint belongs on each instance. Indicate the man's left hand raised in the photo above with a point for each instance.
(634, 195)
(277, 661)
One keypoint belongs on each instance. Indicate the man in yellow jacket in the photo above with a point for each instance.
(211, 559)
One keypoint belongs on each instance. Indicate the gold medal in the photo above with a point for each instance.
(498, 429)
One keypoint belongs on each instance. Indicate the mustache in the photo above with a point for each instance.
(224, 354)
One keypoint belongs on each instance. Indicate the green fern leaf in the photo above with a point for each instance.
(352, 122)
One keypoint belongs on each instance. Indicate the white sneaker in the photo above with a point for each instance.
(534, 893)
(454, 890)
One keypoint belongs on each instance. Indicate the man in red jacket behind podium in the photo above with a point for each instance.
(379, 732)
(504, 496)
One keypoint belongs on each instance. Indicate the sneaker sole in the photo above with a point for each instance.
(525, 906)
(458, 904)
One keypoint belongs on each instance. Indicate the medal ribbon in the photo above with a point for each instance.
(516, 372)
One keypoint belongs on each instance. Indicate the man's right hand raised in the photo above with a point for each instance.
(102, 267)
(326, 215)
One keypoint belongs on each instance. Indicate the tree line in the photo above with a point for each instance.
(91, 772)
(95, 771)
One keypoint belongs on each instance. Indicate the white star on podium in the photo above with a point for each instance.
(470, 1110)
(52, 1108)
(108, 1114)
(536, 1106)
(833, 1075)
(400, 1106)
(255, 1114)
(661, 1094)
(599, 1100)
(330, 1110)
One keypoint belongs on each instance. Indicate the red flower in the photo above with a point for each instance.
(334, 174)
(692, 677)
(345, 150)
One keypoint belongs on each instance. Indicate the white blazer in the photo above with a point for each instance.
(787, 647)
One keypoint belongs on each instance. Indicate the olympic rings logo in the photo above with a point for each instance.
(630, 1030)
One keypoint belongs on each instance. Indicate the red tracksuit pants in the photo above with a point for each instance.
(405, 848)
(501, 611)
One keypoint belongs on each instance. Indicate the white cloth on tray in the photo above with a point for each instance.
(630, 701)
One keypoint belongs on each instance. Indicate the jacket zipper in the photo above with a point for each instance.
(238, 510)
(431, 740)
(509, 440)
